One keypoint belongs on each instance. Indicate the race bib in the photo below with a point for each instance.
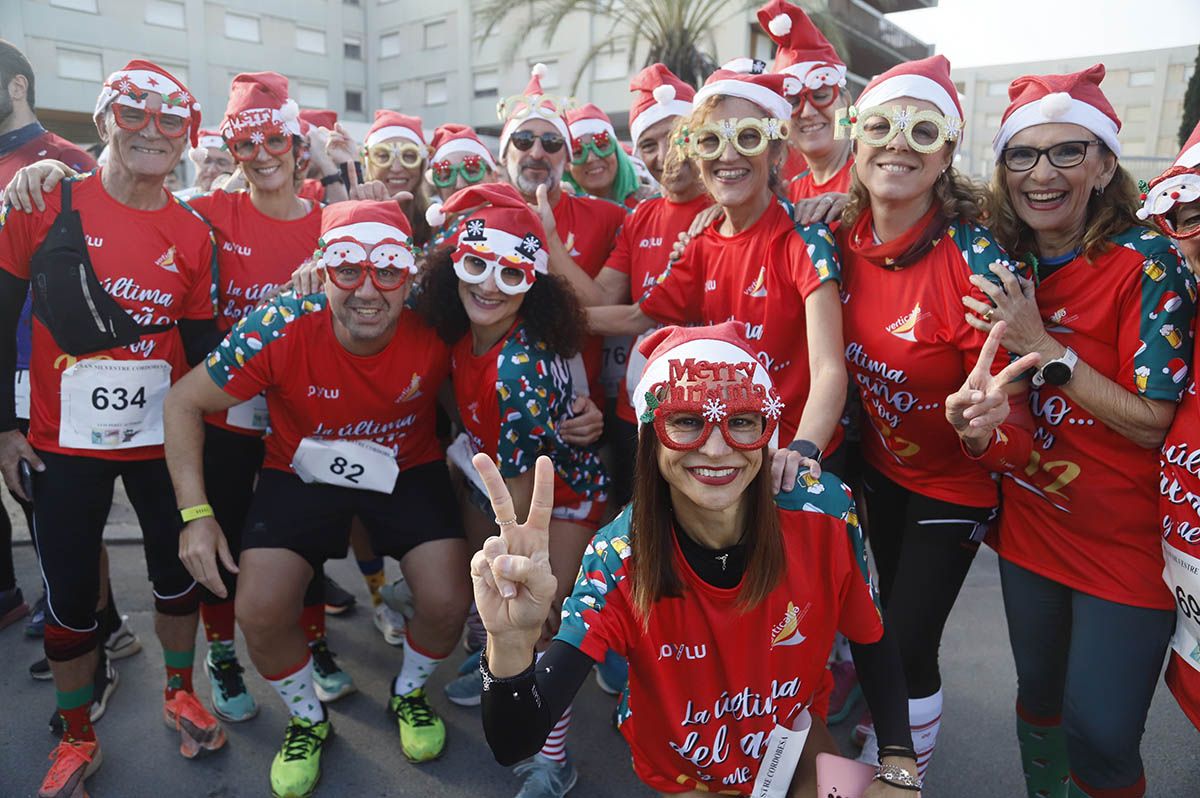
(1182, 575)
(636, 365)
(579, 379)
(21, 393)
(778, 765)
(616, 357)
(113, 404)
(250, 414)
(361, 465)
(460, 453)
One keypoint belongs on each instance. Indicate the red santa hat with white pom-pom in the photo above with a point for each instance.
(589, 119)
(452, 138)
(395, 125)
(1179, 184)
(1065, 99)
(534, 103)
(351, 230)
(803, 49)
(259, 106)
(657, 95)
(924, 79)
(133, 84)
(767, 90)
(499, 225)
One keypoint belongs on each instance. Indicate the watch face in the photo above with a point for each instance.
(1056, 373)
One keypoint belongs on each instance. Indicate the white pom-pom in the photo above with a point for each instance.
(434, 215)
(664, 94)
(538, 71)
(1143, 213)
(1055, 105)
(781, 25)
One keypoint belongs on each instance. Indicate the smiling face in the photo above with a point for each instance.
(735, 180)
(365, 318)
(813, 128)
(144, 153)
(713, 477)
(267, 172)
(1184, 217)
(211, 165)
(654, 144)
(895, 173)
(535, 167)
(486, 305)
(396, 176)
(595, 175)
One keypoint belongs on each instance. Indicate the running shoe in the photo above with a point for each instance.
(338, 600)
(122, 642)
(545, 778)
(12, 606)
(329, 680)
(40, 670)
(846, 691)
(36, 625)
(612, 673)
(198, 730)
(73, 762)
(422, 733)
(399, 597)
(467, 689)
(297, 767)
(390, 624)
(104, 684)
(230, 699)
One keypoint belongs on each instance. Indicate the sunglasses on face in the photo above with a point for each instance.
(134, 119)
(385, 154)
(925, 131)
(749, 137)
(389, 263)
(601, 144)
(822, 97)
(523, 140)
(444, 174)
(1064, 155)
(245, 148)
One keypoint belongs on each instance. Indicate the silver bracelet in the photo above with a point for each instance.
(897, 776)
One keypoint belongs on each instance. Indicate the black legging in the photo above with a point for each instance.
(923, 549)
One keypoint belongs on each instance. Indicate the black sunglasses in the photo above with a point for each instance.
(523, 141)
(1063, 155)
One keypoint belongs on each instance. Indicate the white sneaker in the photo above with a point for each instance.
(122, 642)
(390, 624)
(399, 597)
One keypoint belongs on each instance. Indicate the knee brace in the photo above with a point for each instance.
(63, 644)
(184, 603)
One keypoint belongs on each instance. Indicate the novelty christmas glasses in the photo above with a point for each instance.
(134, 119)
(925, 131)
(385, 153)
(511, 261)
(820, 97)
(602, 144)
(1172, 201)
(444, 174)
(245, 148)
(390, 262)
(748, 136)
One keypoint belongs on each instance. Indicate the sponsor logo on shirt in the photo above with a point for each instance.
(1059, 319)
(758, 288)
(650, 243)
(240, 249)
(412, 391)
(905, 327)
(787, 631)
(324, 393)
(93, 241)
(682, 651)
(166, 260)
(710, 285)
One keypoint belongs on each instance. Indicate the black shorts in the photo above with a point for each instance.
(313, 520)
(71, 500)
(231, 465)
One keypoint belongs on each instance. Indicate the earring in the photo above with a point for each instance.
(1099, 190)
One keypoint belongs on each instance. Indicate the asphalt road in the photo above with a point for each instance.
(976, 756)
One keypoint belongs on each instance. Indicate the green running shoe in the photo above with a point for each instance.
(230, 699)
(329, 680)
(422, 733)
(297, 767)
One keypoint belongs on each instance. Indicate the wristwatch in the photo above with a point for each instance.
(806, 449)
(330, 179)
(1058, 371)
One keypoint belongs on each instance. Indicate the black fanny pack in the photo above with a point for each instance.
(68, 297)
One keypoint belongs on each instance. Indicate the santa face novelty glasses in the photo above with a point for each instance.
(1172, 201)
(384, 154)
(925, 131)
(444, 174)
(601, 144)
(348, 262)
(134, 119)
(510, 279)
(750, 137)
(821, 97)
(245, 148)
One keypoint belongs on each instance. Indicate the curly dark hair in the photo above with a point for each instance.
(551, 311)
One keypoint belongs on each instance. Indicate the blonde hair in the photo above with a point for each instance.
(777, 149)
(959, 197)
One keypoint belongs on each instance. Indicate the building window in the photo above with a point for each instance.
(612, 65)
(435, 34)
(997, 88)
(1142, 77)
(165, 13)
(241, 27)
(76, 5)
(80, 66)
(390, 97)
(354, 101)
(309, 40)
(310, 95)
(487, 83)
(389, 45)
(435, 92)
(1137, 113)
(550, 79)
(352, 48)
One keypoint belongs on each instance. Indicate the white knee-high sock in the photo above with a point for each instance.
(417, 668)
(925, 718)
(295, 687)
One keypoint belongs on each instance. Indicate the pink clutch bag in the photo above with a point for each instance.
(838, 777)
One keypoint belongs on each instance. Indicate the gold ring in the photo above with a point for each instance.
(506, 522)
(987, 316)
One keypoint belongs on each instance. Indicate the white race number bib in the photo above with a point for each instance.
(361, 465)
(635, 366)
(460, 453)
(250, 414)
(1182, 575)
(21, 393)
(113, 404)
(616, 356)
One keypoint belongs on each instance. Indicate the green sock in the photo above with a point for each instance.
(75, 709)
(179, 671)
(1044, 759)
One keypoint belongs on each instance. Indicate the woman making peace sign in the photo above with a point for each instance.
(724, 598)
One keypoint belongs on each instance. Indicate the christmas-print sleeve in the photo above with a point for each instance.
(531, 387)
(242, 364)
(980, 250)
(596, 616)
(1155, 319)
(823, 264)
(677, 293)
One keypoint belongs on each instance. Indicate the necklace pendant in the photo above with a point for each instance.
(724, 560)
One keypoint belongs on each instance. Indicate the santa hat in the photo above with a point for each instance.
(1178, 184)
(259, 104)
(721, 345)
(925, 79)
(320, 117)
(533, 104)
(136, 81)
(1071, 99)
(589, 120)
(452, 138)
(505, 227)
(657, 95)
(380, 227)
(803, 49)
(211, 140)
(395, 125)
(768, 90)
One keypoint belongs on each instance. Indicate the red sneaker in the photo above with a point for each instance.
(198, 730)
(846, 691)
(73, 761)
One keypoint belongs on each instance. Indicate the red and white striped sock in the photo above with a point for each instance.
(924, 719)
(555, 748)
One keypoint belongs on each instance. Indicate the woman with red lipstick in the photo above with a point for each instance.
(710, 583)
(395, 153)
(1109, 311)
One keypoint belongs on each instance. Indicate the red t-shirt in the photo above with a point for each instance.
(158, 265)
(1179, 504)
(803, 187)
(47, 145)
(908, 347)
(588, 228)
(315, 388)
(759, 277)
(707, 681)
(312, 189)
(255, 255)
(643, 248)
(1084, 512)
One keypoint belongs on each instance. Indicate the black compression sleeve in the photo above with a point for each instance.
(519, 713)
(12, 298)
(200, 336)
(881, 674)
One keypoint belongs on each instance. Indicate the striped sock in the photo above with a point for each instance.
(555, 748)
(295, 687)
(925, 718)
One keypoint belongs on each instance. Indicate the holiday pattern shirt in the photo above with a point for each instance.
(908, 347)
(759, 277)
(511, 399)
(708, 681)
(315, 388)
(158, 265)
(1083, 511)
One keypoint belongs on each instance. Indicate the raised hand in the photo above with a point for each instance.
(981, 405)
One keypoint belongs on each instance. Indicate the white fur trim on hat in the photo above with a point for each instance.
(466, 146)
(393, 132)
(918, 87)
(1189, 158)
(655, 114)
(213, 142)
(365, 232)
(780, 25)
(773, 104)
(1076, 113)
(590, 127)
(1159, 200)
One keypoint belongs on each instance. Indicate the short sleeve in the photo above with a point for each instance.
(678, 293)
(18, 240)
(621, 258)
(242, 364)
(821, 263)
(980, 250)
(597, 616)
(531, 382)
(1160, 305)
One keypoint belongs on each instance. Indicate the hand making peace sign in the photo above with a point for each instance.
(981, 405)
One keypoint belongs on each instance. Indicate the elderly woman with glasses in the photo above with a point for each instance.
(1109, 312)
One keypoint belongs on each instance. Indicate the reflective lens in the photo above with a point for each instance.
(523, 141)
(1063, 155)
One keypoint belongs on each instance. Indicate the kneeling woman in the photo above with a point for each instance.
(744, 588)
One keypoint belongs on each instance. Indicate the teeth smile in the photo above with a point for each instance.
(895, 168)
(1045, 196)
(730, 174)
(715, 473)
(483, 301)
